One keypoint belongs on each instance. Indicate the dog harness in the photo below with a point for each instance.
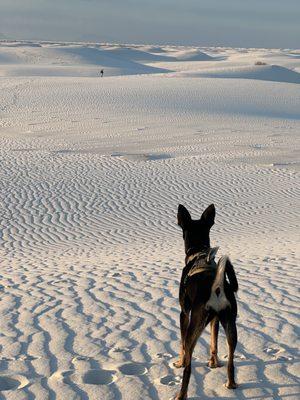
(198, 263)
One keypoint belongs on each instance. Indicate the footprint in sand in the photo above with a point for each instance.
(165, 356)
(12, 382)
(272, 352)
(236, 356)
(89, 377)
(284, 358)
(78, 359)
(258, 146)
(27, 358)
(133, 369)
(120, 350)
(98, 377)
(170, 380)
(277, 354)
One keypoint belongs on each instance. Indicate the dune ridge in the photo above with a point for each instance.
(273, 73)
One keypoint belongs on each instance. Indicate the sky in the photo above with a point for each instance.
(234, 23)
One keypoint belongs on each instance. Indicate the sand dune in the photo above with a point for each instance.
(192, 55)
(111, 68)
(136, 54)
(92, 171)
(273, 73)
(72, 60)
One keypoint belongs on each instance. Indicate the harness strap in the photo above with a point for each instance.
(198, 269)
(194, 265)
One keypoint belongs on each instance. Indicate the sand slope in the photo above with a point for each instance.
(70, 60)
(264, 73)
(92, 171)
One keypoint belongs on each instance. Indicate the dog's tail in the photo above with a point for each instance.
(230, 273)
(225, 267)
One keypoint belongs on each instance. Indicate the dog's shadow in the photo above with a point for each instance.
(269, 389)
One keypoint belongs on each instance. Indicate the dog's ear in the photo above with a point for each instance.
(183, 216)
(208, 216)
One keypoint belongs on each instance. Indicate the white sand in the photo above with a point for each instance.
(92, 171)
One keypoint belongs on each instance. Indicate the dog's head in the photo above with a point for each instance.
(196, 232)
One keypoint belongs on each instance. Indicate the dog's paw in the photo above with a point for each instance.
(231, 385)
(214, 363)
(180, 397)
(178, 364)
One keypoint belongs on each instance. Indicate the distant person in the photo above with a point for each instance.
(101, 73)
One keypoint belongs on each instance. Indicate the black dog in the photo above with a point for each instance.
(206, 295)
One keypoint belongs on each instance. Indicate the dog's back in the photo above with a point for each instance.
(205, 283)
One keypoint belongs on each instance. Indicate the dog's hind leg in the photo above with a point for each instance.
(231, 336)
(214, 330)
(197, 324)
(184, 323)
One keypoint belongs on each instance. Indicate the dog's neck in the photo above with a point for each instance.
(193, 253)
